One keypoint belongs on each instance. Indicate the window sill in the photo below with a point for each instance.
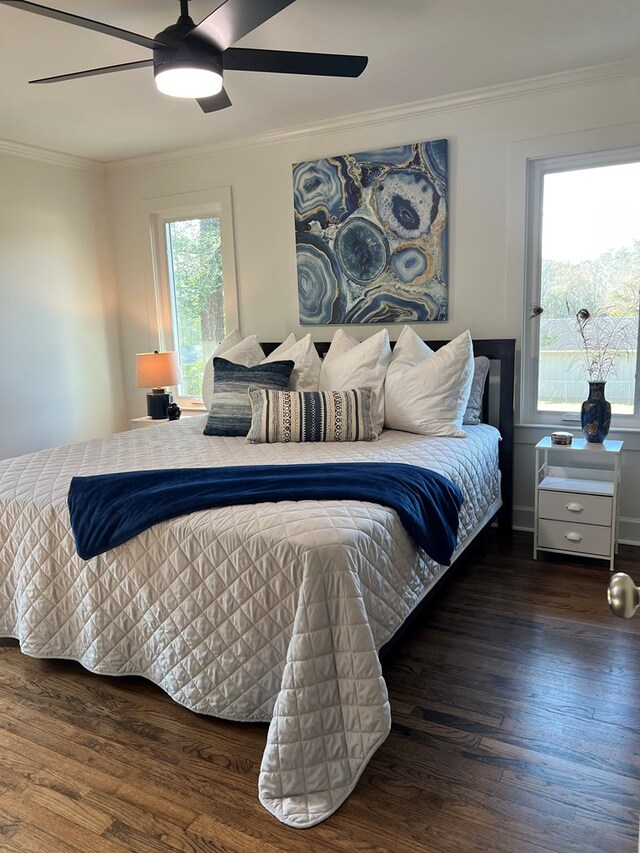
(530, 434)
(569, 427)
(189, 404)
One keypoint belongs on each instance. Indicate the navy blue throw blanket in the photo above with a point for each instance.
(108, 509)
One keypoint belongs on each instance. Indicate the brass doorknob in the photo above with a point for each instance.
(623, 595)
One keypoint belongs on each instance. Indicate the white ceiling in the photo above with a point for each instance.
(417, 49)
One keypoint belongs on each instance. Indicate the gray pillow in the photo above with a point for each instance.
(473, 414)
(230, 412)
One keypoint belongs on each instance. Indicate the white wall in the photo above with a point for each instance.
(59, 338)
(491, 135)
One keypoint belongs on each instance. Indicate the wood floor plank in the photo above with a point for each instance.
(516, 729)
(561, 786)
(34, 839)
(48, 768)
(9, 824)
(59, 827)
(543, 756)
(426, 690)
(499, 799)
(611, 755)
(236, 837)
(146, 818)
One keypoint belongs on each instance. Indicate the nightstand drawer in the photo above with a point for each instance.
(576, 508)
(581, 538)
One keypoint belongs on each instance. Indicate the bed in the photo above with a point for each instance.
(272, 612)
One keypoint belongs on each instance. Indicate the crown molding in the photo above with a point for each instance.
(555, 82)
(57, 158)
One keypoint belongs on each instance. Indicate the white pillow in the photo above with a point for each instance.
(351, 364)
(426, 392)
(306, 373)
(234, 347)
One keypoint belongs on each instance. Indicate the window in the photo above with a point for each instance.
(583, 252)
(194, 278)
(194, 263)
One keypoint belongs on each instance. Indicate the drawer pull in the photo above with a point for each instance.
(574, 507)
(573, 537)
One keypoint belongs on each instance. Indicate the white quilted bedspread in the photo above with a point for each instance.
(272, 612)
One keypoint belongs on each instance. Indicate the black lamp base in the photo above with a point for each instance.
(157, 404)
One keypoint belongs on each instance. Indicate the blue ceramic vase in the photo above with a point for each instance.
(595, 415)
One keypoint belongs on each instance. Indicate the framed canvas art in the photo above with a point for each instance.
(371, 236)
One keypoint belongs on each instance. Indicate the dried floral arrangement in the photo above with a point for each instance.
(603, 341)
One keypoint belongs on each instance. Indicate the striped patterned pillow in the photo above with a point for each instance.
(311, 416)
(230, 412)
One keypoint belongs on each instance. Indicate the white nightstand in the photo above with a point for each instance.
(146, 421)
(139, 423)
(577, 498)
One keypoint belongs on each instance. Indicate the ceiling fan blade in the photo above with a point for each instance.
(94, 72)
(87, 23)
(216, 102)
(292, 62)
(235, 18)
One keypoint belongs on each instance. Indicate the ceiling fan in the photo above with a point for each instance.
(189, 60)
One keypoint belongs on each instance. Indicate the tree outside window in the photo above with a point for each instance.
(195, 271)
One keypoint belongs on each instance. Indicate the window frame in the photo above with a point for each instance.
(158, 213)
(537, 168)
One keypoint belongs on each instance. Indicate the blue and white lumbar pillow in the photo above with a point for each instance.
(230, 411)
(282, 416)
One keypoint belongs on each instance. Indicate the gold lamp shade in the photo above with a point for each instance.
(156, 370)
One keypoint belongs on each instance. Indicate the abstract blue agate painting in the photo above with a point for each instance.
(371, 236)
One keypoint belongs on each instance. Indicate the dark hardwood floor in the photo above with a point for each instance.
(516, 707)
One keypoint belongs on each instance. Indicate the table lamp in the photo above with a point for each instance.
(155, 370)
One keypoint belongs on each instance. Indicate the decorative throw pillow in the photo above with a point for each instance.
(230, 412)
(426, 392)
(282, 416)
(235, 348)
(352, 364)
(473, 414)
(306, 373)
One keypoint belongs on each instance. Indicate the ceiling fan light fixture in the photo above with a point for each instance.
(189, 59)
(188, 81)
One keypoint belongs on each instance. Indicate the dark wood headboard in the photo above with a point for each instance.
(501, 353)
